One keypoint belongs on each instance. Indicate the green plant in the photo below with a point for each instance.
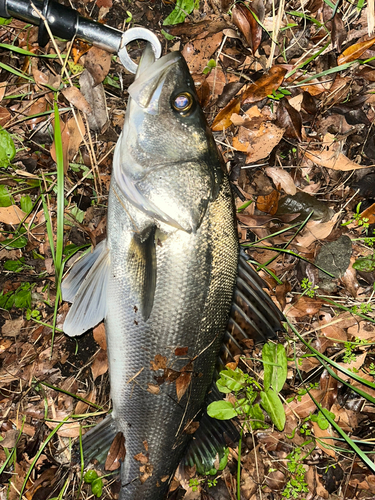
(361, 221)
(297, 484)
(182, 9)
(247, 390)
(210, 66)
(278, 94)
(91, 477)
(308, 287)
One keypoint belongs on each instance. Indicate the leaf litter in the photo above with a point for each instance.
(289, 96)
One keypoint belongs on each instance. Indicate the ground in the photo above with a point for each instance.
(287, 88)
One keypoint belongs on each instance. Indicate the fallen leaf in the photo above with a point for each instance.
(269, 203)
(303, 306)
(12, 327)
(97, 63)
(223, 118)
(363, 330)
(182, 384)
(100, 364)
(181, 351)
(140, 457)
(243, 18)
(75, 97)
(331, 157)
(264, 86)
(153, 388)
(159, 363)
(11, 215)
(350, 279)
(290, 120)
(116, 453)
(303, 406)
(266, 141)
(316, 230)
(95, 96)
(355, 51)
(282, 178)
(99, 336)
(198, 52)
(324, 436)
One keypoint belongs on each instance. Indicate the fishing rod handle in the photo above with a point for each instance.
(63, 22)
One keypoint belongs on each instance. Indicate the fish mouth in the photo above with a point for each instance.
(150, 78)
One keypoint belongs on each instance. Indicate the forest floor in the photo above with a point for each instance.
(287, 88)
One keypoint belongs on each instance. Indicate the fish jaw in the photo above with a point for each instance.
(153, 132)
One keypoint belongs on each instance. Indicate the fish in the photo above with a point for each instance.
(163, 281)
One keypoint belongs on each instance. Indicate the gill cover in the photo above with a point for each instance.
(166, 163)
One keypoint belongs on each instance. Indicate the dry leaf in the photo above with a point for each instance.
(98, 62)
(181, 351)
(304, 405)
(11, 215)
(324, 436)
(75, 97)
(350, 279)
(12, 327)
(116, 453)
(264, 86)
(245, 21)
(99, 336)
(364, 330)
(269, 203)
(182, 383)
(355, 51)
(159, 363)
(95, 96)
(315, 230)
(223, 118)
(153, 388)
(140, 457)
(282, 178)
(331, 157)
(267, 140)
(290, 120)
(199, 52)
(100, 364)
(303, 306)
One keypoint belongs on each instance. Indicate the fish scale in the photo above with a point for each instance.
(191, 307)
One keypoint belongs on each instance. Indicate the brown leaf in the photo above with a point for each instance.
(198, 52)
(11, 215)
(303, 306)
(100, 364)
(269, 203)
(104, 3)
(159, 363)
(290, 120)
(355, 51)
(116, 453)
(304, 405)
(12, 327)
(97, 63)
(181, 351)
(324, 436)
(364, 330)
(331, 157)
(369, 214)
(95, 96)
(316, 230)
(75, 97)
(245, 21)
(99, 336)
(191, 428)
(223, 118)
(264, 86)
(264, 143)
(140, 457)
(282, 178)
(182, 383)
(350, 279)
(153, 388)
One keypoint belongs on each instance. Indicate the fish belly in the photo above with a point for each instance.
(195, 278)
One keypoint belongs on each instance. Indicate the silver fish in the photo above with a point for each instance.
(163, 279)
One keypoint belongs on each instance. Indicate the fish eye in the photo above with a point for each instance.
(183, 102)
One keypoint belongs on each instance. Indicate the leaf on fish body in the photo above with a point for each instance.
(116, 453)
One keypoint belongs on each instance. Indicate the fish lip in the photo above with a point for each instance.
(149, 81)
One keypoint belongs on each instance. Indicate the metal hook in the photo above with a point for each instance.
(136, 34)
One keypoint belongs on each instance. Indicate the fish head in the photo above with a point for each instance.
(166, 161)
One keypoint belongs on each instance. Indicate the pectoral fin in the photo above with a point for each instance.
(86, 287)
(141, 271)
